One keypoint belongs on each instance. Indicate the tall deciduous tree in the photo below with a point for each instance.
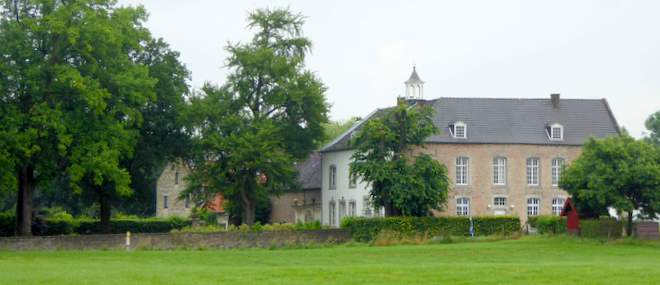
(72, 89)
(403, 182)
(618, 172)
(653, 125)
(269, 114)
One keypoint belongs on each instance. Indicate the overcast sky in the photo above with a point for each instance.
(364, 50)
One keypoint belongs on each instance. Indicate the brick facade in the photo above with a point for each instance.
(480, 188)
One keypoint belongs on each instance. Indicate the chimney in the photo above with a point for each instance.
(555, 100)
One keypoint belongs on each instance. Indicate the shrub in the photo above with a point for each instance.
(367, 229)
(7, 224)
(601, 228)
(548, 224)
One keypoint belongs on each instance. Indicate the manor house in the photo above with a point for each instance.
(504, 156)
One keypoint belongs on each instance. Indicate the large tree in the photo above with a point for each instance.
(269, 113)
(618, 172)
(653, 125)
(161, 136)
(72, 89)
(403, 180)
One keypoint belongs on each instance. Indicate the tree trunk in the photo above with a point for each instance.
(104, 203)
(249, 210)
(249, 204)
(24, 201)
(629, 226)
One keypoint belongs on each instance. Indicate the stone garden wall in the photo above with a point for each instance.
(177, 240)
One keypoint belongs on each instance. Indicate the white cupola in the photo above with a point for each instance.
(414, 86)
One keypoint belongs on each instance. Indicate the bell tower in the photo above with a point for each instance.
(414, 86)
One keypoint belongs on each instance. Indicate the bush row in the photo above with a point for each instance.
(593, 228)
(367, 229)
(49, 227)
(257, 227)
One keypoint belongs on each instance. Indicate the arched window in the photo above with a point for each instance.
(463, 206)
(533, 206)
(332, 177)
(351, 209)
(557, 166)
(557, 205)
(352, 179)
(533, 171)
(499, 171)
(366, 206)
(342, 210)
(462, 170)
(332, 214)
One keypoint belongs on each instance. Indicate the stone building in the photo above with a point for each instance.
(504, 156)
(289, 207)
(305, 206)
(168, 189)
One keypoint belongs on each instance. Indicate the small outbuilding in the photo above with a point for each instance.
(572, 218)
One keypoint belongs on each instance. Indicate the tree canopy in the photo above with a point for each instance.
(74, 83)
(653, 125)
(618, 172)
(249, 132)
(402, 181)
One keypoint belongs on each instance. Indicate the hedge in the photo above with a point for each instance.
(601, 228)
(548, 224)
(366, 229)
(49, 227)
(592, 228)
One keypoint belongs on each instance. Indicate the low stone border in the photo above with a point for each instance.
(177, 240)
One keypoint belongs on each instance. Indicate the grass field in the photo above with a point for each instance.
(535, 260)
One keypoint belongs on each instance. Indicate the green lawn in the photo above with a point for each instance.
(535, 260)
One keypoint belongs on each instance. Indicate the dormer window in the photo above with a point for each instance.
(556, 132)
(460, 130)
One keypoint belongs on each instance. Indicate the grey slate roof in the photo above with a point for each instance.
(309, 172)
(514, 121)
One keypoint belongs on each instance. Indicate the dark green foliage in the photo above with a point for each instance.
(366, 229)
(249, 132)
(261, 214)
(403, 181)
(49, 227)
(333, 129)
(618, 172)
(601, 228)
(548, 224)
(653, 125)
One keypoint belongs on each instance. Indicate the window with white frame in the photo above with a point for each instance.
(351, 209)
(460, 130)
(332, 177)
(556, 132)
(557, 206)
(557, 166)
(342, 210)
(166, 202)
(352, 179)
(462, 168)
(533, 171)
(499, 201)
(331, 213)
(463, 206)
(366, 205)
(533, 205)
(499, 171)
